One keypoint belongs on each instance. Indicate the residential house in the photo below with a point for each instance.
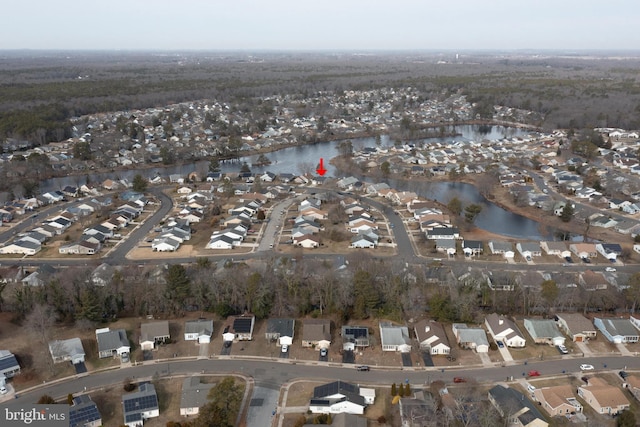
(432, 337)
(363, 241)
(554, 248)
(84, 412)
(194, 396)
(584, 250)
(610, 251)
(154, 333)
(448, 233)
(544, 331)
(578, 327)
(70, 350)
(617, 331)
(165, 244)
(593, 281)
(633, 385)
(140, 406)
(529, 249)
(603, 397)
(471, 338)
(221, 241)
(241, 327)
(307, 241)
(472, 247)
(354, 336)
(280, 331)
(199, 330)
(447, 246)
(9, 365)
(22, 247)
(558, 401)
(340, 397)
(418, 411)
(394, 337)
(500, 247)
(503, 329)
(112, 342)
(316, 333)
(515, 408)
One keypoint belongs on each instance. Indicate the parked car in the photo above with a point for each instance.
(227, 344)
(562, 349)
(623, 374)
(585, 379)
(323, 352)
(459, 380)
(364, 368)
(585, 367)
(530, 388)
(568, 259)
(500, 344)
(610, 269)
(285, 348)
(534, 373)
(3, 390)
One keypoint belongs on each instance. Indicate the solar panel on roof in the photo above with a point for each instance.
(357, 332)
(8, 362)
(242, 325)
(81, 415)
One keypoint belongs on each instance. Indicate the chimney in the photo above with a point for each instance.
(500, 321)
(427, 328)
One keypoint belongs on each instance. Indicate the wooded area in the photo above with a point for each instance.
(40, 91)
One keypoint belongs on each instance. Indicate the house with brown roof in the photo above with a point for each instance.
(432, 337)
(504, 329)
(633, 385)
(584, 250)
(578, 327)
(316, 333)
(593, 281)
(558, 400)
(602, 397)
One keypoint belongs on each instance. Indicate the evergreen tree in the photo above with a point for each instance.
(394, 390)
(567, 213)
(178, 287)
(139, 184)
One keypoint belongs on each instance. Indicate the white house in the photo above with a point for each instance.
(432, 337)
(199, 330)
(340, 397)
(394, 337)
(503, 329)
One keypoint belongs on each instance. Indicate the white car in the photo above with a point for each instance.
(586, 367)
(609, 269)
(285, 348)
(3, 390)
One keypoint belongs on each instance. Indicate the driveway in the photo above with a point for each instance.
(505, 353)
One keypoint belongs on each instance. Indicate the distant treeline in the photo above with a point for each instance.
(38, 95)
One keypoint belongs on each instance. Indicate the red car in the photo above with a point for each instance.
(459, 380)
(534, 374)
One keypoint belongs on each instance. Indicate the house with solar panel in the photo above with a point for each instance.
(84, 412)
(9, 365)
(341, 397)
(354, 337)
(194, 396)
(280, 330)
(239, 328)
(199, 330)
(112, 343)
(140, 406)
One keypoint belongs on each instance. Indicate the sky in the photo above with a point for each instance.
(321, 25)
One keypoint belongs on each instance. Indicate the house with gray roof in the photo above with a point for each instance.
(471, 338)
(616, 330)
(199, 330)
(280, 330)
(112, 342)
(502, 248)
(194, 396)
(515, 407)
(154, 333)
(340, 397)
(70, 350)
(394, 337)
(544, 331)
(140, 406)
(529, 249)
